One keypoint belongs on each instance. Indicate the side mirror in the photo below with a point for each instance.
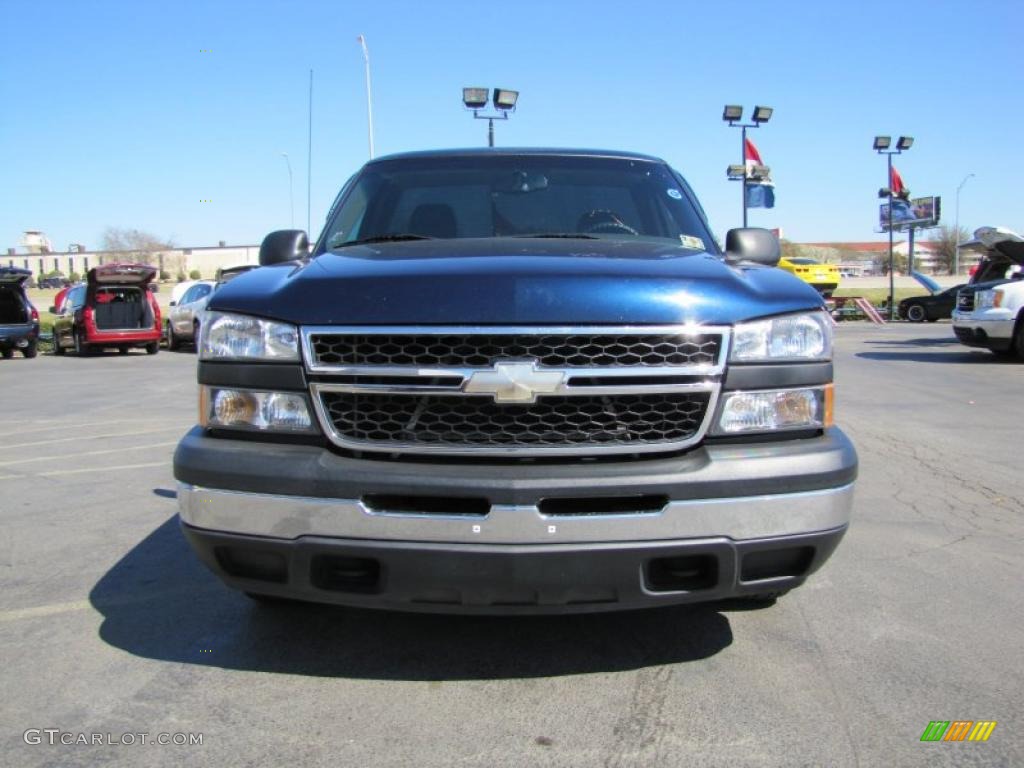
(53, 311)
(173, 304)
(753, 244)
(284, 245)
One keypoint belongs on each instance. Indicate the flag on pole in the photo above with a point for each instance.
(896, 184)
(751, 155)
(760, 192)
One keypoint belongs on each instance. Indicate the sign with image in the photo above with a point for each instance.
(921, 212)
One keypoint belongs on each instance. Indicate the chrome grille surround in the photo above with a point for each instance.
(340, 390)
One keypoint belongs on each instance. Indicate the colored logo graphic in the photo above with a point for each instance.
(958, 730)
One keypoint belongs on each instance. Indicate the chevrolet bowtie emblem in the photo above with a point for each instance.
(514, 382)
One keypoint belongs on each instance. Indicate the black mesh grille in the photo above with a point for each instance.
(444, 421)
(965, 301)
(482, 350)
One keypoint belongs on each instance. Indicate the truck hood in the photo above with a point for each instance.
(514, 281)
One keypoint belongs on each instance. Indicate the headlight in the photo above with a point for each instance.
(248, 409)
(770, 411)
(988, 299)
(789, 337)
(225, 336)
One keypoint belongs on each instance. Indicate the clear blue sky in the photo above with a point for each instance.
(114, 117)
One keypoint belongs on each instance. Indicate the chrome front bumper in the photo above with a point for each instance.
(292, 517)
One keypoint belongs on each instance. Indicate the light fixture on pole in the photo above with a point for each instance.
(504, 101)
(882, 146)
(291, 195)
(956, 226)
(733, 114)
(369, 93)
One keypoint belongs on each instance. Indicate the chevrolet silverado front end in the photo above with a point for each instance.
(516, 381)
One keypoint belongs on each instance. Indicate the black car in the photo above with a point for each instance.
(19, 320)
(937, 306)
(53, 282)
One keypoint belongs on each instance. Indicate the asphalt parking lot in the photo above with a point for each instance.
(109, 625)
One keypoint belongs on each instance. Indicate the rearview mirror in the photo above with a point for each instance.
(282, 246)
(752, 244)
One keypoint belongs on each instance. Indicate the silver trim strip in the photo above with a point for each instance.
(289, 517)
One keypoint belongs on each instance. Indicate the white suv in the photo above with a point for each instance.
(988, 311)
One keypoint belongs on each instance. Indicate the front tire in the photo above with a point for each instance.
(1018, 340)
(57, 348)
(81, 348)
(173, 343)
(7, 353)
(916, 313)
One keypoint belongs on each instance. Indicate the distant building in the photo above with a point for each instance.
(35, 241)
(871, 257)
(173, 262)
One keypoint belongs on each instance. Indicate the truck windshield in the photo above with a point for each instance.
(517, 196)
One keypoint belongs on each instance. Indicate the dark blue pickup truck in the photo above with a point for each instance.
(515, 381)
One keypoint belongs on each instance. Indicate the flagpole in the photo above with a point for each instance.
(743, 155)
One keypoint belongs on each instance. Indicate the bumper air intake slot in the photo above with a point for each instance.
(776, 563)
(684, 573)
(336, 573)
(603, 505)
(388, 504)
(253, 564)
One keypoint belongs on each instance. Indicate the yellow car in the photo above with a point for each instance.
(823, 277)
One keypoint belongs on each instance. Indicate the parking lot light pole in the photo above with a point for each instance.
(882, 146)
(732, 115)
(369, 94)
(504, 100)
(956, 227)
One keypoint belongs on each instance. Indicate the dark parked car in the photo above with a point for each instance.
(53, 282)
(113, 308)
(936, 306)
(19, 320)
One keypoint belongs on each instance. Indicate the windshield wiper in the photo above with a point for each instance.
(567, 235)
(396, 238)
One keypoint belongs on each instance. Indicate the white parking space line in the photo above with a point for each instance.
(178, 428)
(43, 610)
(55, 609)
(63, 424)
(88, 453)
(92, 470)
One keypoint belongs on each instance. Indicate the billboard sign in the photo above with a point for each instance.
(922, 212)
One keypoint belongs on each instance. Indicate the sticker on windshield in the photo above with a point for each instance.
(689, 241)
(675, 194)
